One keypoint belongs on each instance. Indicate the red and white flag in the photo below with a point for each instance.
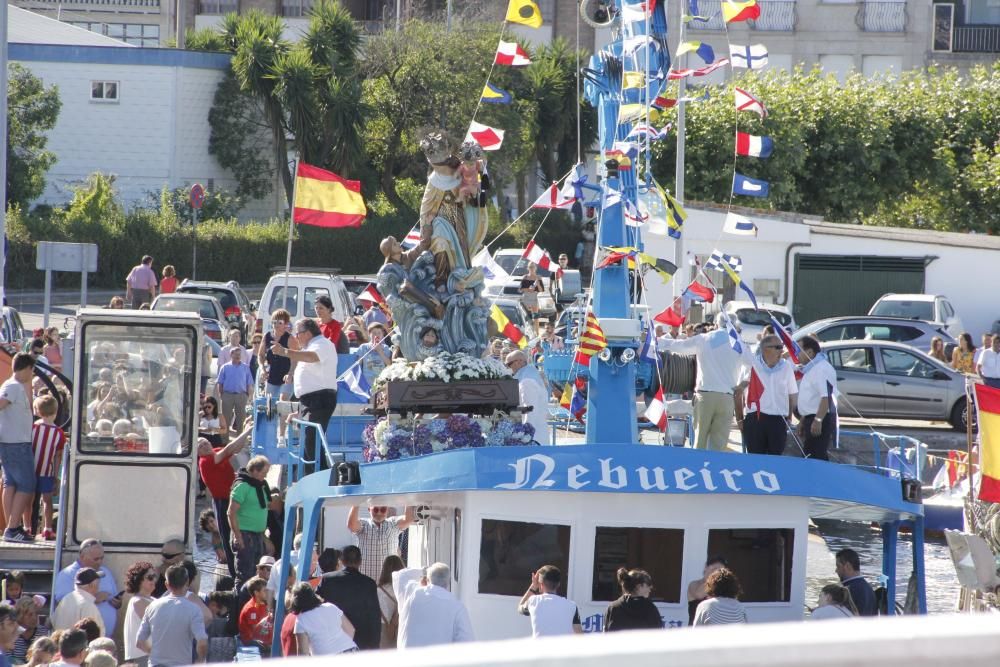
(372, 295)
(656, 413)
(553, 197)
(488, 137)
(747, 102)
(540, 257)
(412, 238)
(675, 74)
(511, 53)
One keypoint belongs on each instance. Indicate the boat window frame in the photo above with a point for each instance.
(765, 525)
(567, 588)
(685, 543)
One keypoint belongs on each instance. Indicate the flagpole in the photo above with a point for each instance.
(679, 165)
(291, 229)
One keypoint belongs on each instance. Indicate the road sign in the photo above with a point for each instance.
(197, 196)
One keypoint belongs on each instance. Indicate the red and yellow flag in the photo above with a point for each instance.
(507, 328)
(592, 340)
(324, 199)
(988, 401)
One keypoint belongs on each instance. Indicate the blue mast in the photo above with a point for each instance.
(611, 413)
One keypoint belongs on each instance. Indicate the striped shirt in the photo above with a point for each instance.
(46, 440)
(720, 611)
(376, 541)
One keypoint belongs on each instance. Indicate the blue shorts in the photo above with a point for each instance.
(18, 463)
(45, 484)
(278, 389)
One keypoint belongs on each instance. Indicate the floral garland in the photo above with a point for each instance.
(444, 367)
(387, 440)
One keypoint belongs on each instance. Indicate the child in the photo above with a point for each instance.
(15, 446)
(53, 348)
(13, 586)
(47, 441)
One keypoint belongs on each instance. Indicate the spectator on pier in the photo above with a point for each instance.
(987, 343)
(388, 606)
(357, 596)
(172, 553)
(26, 614)
(834, 602)
(108, 602)
(16, 457)
(633, 610)
(331, 328)
(140, 581)
(321, 628)
(172, 624)
(80, 603)
(235, 387)
(249, 501)
(989, 363)
(771, 394)
(41, 652)
(140, 285)
(168, 281)
(378, 536)
(817, 389)
(963, 357)
(256, 620)
(848, 568)
(696, 589)
(722, 606)
(532, 391)
(429, 613)
(72, 648)
(550, 613)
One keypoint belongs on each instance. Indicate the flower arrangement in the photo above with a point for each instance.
(444, 367)
(387, 440)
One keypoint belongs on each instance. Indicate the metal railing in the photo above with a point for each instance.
(712, 9)
(776, 16)
(882, 16)
(880, 439)
(217, 7)
(976, 39)
(103, 3)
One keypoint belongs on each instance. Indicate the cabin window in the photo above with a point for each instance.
(509, 551)
(760, 557)
(140, 389)
(659, 551)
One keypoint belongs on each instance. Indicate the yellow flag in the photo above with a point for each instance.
(633, 79)
(525, 12)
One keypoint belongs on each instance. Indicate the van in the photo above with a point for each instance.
(303, 290)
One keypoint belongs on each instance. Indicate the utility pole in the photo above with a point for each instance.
(678, 285)
(180, 24)
(3, 153)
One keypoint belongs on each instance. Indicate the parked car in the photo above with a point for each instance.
(356, 285)
(303, 289)
(516, 313)
(510, 260)
(753, 321)
(915, 333)
(878, 378)
(12, 339)
(213, 317)
(239, 310)
(933, 308)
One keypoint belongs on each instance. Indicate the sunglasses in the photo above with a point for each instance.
(169, 556)
(774, 347)
(379, 510)
(151, 577)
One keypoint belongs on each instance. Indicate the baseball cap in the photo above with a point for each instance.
(265, 561)
(87, 575)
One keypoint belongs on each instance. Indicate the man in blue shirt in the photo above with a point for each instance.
(848, 567)
(234, 386)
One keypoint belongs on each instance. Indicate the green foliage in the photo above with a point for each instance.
(32, 110)
(205, 39)
(918, 150)
(241, 139)
(218, 204)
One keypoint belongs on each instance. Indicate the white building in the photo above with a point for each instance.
(821, 269)
(138, 113)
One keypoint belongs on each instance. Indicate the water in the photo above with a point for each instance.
(941, 582)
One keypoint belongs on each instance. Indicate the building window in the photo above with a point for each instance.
(760, 557)
(104, 91)
(509, 551)
(218, 6)
(137, 34)
(296, 8)
(659, 551)
(766, 289)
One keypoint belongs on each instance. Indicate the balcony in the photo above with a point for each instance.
(976, 39)
(217, 7)
(94, 4)
(882, 16)
(775, 16)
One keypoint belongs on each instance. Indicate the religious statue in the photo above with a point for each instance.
(433, 290)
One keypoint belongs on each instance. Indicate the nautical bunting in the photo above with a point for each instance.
(672, 315)
(541, 258)
(508, 328)
(739, 282)
(752, 146)
(676, 74)
(739, 11)
(633, 80)
(675, 221)
(734, 337)
(512, 55)
(717, 257)
(639, 11)
(648, 350)
(412, 238)
(553, 197)
(662, 102)
(353, 382)
(578, 404)
(491, 268)
(494, 95)
(592, 341)
(694, 13)
(750, 187)
(487, 137)
(738, 225)
(747, 102)
(748, 57)
(633, 44)
(648, 133)
(794, 351)
(656, 413)
(701, 49)
(372, 295)
(755, 391)
(524, 12)
(698, 293)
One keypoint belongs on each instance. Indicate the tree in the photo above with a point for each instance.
(32, 110)
(241, 139)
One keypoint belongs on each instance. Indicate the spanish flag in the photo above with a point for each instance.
(525, 12)
(740, 11)
(324, 199)
(507, 328)
(988, 402)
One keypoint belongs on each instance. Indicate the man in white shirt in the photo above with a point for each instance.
(531, 390)
(80, 603)
(428, 611)
(770, 392)
(989, 364)
(551, 614)
(314, 379)
(817, 388)
(719, 368)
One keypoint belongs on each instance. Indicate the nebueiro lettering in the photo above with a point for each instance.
(539, 471)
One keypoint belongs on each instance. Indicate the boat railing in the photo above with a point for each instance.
(63, 518)
(894, 466)
(296, 445)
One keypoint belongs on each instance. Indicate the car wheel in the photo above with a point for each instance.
(959, 413)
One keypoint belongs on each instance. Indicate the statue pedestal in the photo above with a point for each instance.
(479, 397)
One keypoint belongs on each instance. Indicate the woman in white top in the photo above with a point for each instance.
(388, 606)
(140, 580)
(212, 425)
(834, 602)
(722, 606)
(320, 627)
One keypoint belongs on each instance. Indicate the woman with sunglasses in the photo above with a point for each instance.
(212, 425)
(140, 580)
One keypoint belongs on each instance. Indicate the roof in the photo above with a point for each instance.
(907, 297)
(26, 27)
(763, 305)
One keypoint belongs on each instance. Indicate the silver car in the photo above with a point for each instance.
(914, 333)
(886, 379)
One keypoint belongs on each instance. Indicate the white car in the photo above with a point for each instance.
(933, 308)
(752, 321)
(510, 260)
(303, 289)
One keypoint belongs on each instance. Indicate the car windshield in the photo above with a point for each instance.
(912, 310)
(513, 313)
(760, 318)
(225, 296)
(204, 308)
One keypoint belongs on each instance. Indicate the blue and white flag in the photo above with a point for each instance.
(750, 187)
(354, 383)
(748, 57)
(739, 225)
(717, 257)
(734, 337)
(491, 269)
(648, 350)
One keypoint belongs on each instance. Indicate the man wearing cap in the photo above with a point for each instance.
(81, 603)
(9, 630)
(107, 600)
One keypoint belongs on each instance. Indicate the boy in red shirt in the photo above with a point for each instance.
(47, 442)
(256, 621)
